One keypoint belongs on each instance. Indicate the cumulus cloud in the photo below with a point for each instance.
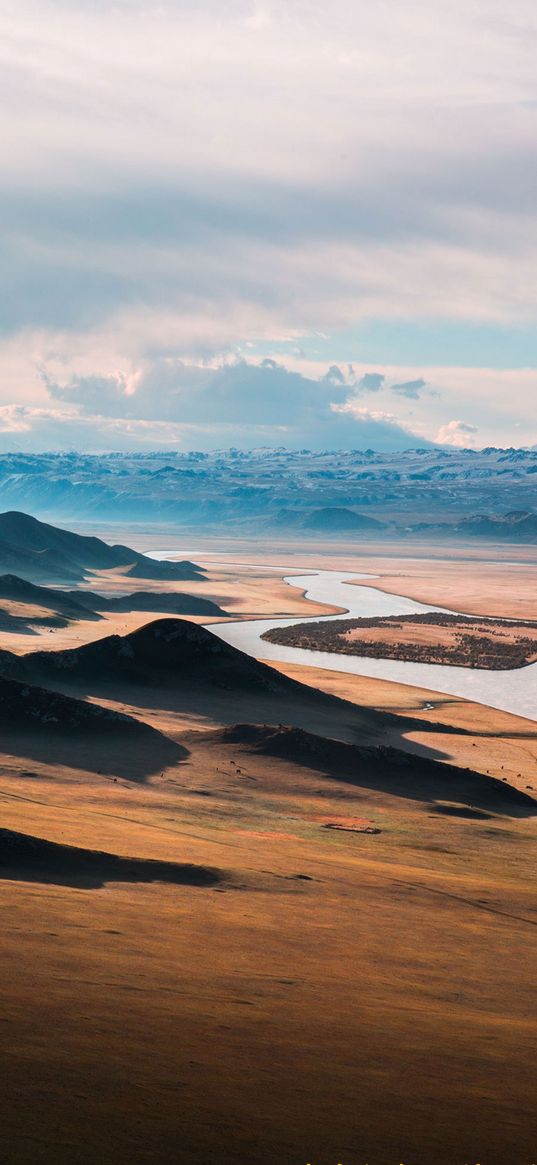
(458, 433)
(370, 382)
(334, 375)
(237, 392)
(412, 389)
(238, 402)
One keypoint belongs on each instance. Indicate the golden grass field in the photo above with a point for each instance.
(339, 996)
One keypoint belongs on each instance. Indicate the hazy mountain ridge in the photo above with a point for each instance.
(45, 553)
(431, 492)
(65, 603)
(164, 602)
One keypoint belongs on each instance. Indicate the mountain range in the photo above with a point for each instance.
(428, 493)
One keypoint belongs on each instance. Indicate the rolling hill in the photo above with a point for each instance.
(54, 728)
(34, 601)
(45, 553)
(183, 667)
(388, 769)
(32, 597)
(175, 665)
(163, 652)
(164, 602)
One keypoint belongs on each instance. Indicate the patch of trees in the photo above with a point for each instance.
(491, 644)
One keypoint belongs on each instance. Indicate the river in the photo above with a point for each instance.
(510, 691)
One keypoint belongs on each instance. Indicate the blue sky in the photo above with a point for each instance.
(415, 343)
(189, 190)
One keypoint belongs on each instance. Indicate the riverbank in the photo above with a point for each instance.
(512, 691)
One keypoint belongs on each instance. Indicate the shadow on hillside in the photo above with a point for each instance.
(294, 705)
(24, 858)
(131, 751)
(23, 625)
(386, 770)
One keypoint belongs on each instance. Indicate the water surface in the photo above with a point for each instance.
(510, 691)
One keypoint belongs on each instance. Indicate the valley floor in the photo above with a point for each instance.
(338, 996)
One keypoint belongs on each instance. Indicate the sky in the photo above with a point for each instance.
(251, 223)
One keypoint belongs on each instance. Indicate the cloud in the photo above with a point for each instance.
(370, 382)
(15, 419)
(238, 402)
(301, 235)
(143, 228)
(41, 430)
(388, 432)
(236, 392)
(44, 429)
(457, 433)
(411, 388)
(334, 375)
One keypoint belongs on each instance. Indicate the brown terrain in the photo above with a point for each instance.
(492, 580)
(255, 915)
(458, 640)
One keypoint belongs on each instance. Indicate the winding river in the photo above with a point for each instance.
(511, 691)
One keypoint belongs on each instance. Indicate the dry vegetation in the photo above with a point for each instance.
(348, 974)
(458, 640)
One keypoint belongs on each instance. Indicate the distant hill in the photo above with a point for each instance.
(144, 567)
(517, 525)
(338, 519)
(155, 601)
(82, 604)
(44, 553)
(19, 590)
(421, 491)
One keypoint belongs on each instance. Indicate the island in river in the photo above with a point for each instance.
(433, 637)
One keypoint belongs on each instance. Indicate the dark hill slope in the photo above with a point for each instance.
(19, 590)
(30, 707)
(43, 552)
(165, 602)
(164, 652)
(387, 769)
(82, 604)
(174, 665)
(34, 859)
(41, 566)
(12, 666)
(57, 729)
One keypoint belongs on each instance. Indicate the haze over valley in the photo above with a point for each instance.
(433, 493)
